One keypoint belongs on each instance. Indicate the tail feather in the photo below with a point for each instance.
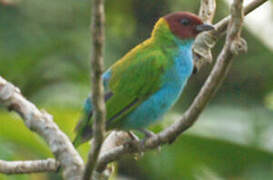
(83, 135)
(83, 128)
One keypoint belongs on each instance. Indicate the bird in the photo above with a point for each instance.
(147, 81)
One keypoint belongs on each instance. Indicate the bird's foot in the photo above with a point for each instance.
(132, 136)
(148, 134)
(135, 143)
(138, 144)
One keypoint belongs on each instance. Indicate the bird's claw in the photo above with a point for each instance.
(135, 143)
(138, 144)
(148, 134)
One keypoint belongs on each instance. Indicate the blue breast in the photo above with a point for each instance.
(160, 102)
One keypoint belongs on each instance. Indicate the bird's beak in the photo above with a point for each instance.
(204, 27)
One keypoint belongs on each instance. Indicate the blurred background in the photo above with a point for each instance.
(45, 51)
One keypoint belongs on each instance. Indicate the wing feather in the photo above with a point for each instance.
(132, 82)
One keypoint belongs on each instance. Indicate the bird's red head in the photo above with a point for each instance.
(186, 25)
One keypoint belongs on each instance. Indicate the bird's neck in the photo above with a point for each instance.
(162, 35)
(179, 51)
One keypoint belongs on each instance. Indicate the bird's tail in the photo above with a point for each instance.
(77, 141)
(84, 134)
(84, 128)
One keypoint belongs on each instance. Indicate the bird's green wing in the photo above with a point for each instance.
(133, 80)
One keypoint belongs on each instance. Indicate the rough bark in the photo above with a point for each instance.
(97, 29)
(42, 123)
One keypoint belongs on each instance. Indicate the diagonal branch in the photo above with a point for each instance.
(97, 88)
(23, 167)
(42, 123)
(234, 44)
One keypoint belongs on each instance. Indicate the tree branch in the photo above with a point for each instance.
(206, 41)
(113, 140)
(42, 123)
(23, 167)
(215, 79)
(97, 86)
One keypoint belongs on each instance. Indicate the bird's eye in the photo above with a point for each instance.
(185, 22)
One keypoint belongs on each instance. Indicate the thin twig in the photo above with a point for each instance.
(42, 123)
(23, 167)
(219, 72)
(97, 86)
